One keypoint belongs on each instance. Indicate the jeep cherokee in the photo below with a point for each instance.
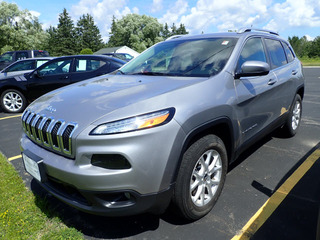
(164, 127)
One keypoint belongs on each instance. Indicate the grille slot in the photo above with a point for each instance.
(48, 132)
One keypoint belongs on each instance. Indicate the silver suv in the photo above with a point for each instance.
(164, 128)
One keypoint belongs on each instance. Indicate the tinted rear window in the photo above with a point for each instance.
(40, 53)
(276, 53)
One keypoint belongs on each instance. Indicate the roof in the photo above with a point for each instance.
(108, 50)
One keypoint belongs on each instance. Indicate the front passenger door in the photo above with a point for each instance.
(256, 96)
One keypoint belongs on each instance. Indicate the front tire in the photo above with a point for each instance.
(293, 121)
(201, 177)
(13, 101)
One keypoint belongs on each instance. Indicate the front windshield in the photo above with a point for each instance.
(191, 58)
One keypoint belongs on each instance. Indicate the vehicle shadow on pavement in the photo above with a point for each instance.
(298, 215)
(93, 226)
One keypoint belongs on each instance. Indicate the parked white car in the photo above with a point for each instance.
(23, 66)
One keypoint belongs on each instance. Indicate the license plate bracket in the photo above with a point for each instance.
(33, 164)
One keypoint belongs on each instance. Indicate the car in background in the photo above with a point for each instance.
(16, 92)
(123, 56)
(23, 66)
(10, 57)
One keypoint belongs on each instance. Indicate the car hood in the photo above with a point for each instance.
(90, 100)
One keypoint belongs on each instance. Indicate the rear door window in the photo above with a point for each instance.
(40, 53)
(87, 65)
(276, 53)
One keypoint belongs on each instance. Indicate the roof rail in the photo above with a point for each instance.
(174, 37)
(242, 30)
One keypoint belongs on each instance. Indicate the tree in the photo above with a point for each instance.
(165, 33)
(86, 51)
(88, 34)
(181, 30)
(314, 48)
(135, 31)
(19, 29)
(64, 36)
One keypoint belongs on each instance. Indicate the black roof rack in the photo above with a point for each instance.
(242, 30)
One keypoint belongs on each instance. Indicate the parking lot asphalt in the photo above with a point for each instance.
(271, 192)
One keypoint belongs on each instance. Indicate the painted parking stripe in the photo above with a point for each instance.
(15, 157)
(275, 200)
(11, 117)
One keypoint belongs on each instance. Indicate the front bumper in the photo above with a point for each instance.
(111, 192)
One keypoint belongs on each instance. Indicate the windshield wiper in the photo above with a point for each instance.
(150, 73)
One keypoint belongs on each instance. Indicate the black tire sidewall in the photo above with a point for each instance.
(182, 196)
(24, 101)
(289, 131)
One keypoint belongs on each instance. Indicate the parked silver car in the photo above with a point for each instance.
(164, 128)
(23, 66)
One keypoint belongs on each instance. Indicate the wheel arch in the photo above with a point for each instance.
(221, 127)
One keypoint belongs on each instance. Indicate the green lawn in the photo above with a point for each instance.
(310, 61)
(20, 216)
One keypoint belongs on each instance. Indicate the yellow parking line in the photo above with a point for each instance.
(274, 201)
(15, 157)
(11, 117)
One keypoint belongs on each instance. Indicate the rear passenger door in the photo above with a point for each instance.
(283, 65)
(87, 67)
(257, 95)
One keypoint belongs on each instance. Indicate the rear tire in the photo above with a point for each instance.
(293, 121)
(12, 101)
(201, 177)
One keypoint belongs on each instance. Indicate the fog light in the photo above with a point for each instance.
(110, 161)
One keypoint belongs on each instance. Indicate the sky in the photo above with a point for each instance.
(287, 17)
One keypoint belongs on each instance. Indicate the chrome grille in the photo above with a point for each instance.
(51, 133)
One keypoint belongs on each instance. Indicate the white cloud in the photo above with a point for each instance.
(224, 15)
(35, 13)
(156, 6)
(297, 14)
(309, 38)
(234, 14)
(174, 12)
(102, 12)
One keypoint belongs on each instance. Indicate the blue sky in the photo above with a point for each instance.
(288, 17)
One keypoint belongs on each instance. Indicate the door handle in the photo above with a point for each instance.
(272, 81)
(294, 72)
(64, 77)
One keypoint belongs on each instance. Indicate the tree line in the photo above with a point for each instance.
(305, 48)
(20, 30)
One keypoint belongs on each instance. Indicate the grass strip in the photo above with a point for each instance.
(20, 216)
(310, 61)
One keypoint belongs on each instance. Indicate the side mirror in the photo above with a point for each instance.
(253, 68)
(37, 74)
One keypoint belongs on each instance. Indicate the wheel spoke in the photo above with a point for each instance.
(206, 178)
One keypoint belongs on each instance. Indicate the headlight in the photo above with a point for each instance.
(144, 121)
